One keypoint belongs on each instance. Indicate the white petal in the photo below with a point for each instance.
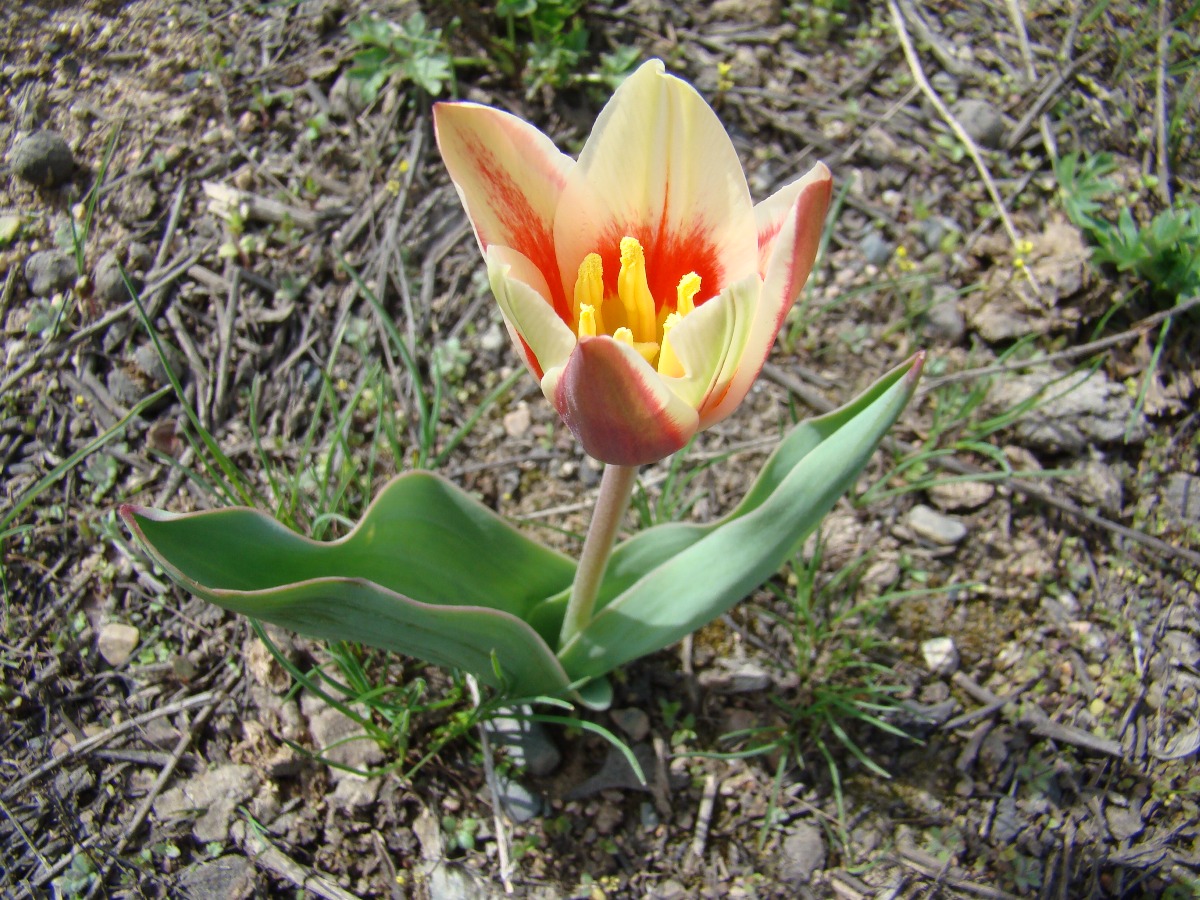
(659, 167)
(526, 309)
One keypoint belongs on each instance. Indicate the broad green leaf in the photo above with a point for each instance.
(429, 572)
(672, 580)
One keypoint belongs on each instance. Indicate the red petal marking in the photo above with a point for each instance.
(616, 416)
(529, 233)
(809, 211)
(669, 256)
(530, 359)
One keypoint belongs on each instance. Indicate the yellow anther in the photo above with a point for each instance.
(634, 291)
(668, 362)
(589, 284)
(587, 321)
(648, 349)
(685, 294)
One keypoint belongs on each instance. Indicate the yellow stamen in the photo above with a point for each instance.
(634, 291)
(587, 321)
(589, 285)
(689, 287)
(648, 349)
(668, 362)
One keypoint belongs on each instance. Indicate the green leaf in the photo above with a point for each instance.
(428, 572)
(665, 582)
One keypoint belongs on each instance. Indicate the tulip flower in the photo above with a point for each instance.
(644, 290)
(640, 284)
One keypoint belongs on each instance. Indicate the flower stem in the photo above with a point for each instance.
(616, 487)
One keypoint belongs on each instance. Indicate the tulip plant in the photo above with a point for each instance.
(644, 290)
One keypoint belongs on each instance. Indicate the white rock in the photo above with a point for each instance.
(941, 655)
(931, 525)
(117, 642)
(517, 422)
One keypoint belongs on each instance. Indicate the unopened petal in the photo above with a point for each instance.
(618, 407)
(770, 214)
(543, 339)
(659, 167)
(710, 343)
(793, 250)
(509, 177)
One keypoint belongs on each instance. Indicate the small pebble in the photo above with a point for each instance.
(49, 271)
(43, 159)
(117, 642)
(633, 721)
(802, 854)
(875, 249)
(982, 121)
(931, 525)
(941, 655)
(110, 284)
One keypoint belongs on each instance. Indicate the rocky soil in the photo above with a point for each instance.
(980, 682)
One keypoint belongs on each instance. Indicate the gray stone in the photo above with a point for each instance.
(1182, 496)
(1124, 822)
(633, 721)
(1072, 412)
(49, 271)
(519, 802)
(944, 321)
(935, 229)
(802, 854)
(941, 655)
(354, 793)
(735, 677)
(997, 321)
(110, 284)
(961, 495)
(117, 642)
(982, 121)
(141, 258)
(931, 525)
(215, 795)
(1099, 485)
(527, 743)
(43, 159)
(944, 83)
(875, 249)
(1006, 824)
(229, 877)
(340, 739)
(124, 388)
(147, 360)
(617, 774)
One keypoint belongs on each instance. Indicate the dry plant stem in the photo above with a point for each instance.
(103, 737)
(616, 487)
(1160, 103)
(489, 774)
(914, 64)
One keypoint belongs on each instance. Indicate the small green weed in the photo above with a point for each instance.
(1163, 254)
(413, 53)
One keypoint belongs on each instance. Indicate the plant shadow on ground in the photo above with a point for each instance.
(265, 177)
